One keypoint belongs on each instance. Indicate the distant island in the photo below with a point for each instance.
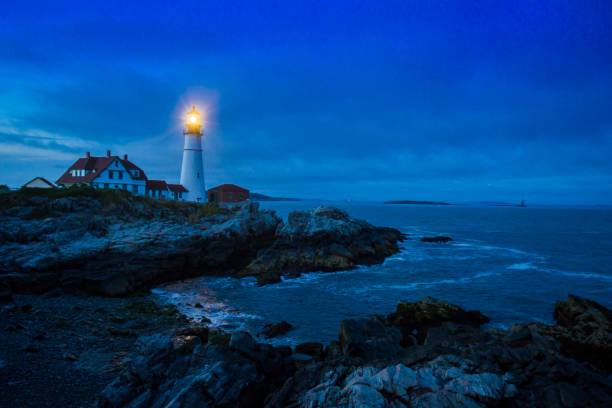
(416, 202)
(262, 197)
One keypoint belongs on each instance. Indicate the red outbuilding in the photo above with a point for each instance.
(227, 193)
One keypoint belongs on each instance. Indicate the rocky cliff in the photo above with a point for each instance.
(113, 243)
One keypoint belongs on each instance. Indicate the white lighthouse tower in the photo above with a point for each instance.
(192, 170)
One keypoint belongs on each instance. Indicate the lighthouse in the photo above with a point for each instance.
(192, 169)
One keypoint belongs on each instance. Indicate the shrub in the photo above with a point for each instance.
(111, 199)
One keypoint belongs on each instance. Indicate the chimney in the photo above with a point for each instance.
(88, 155)
(125, 157)
(108, 153)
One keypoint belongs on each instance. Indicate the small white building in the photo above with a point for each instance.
(39, 182)
(117, 173)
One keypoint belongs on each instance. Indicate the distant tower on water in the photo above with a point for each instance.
(192, 170)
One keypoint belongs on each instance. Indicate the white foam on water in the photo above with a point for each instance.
(496, 248)
(585, 275)
(521, 266)
(419, 285)
(582, 275)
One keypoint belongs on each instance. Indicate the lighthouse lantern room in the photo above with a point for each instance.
(192, 169)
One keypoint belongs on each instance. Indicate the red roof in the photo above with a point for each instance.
(97, 165)
(177, 188)
(156, 185)
(229, 187)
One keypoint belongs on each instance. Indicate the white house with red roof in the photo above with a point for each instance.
(118, 173)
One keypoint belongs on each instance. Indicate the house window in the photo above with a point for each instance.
(116, 164)
(181, 194)
(198, 174)
(175, 195)
(105, 185)
(135, 189)
(120, 175)
(125, 186)
(135, 173)
(110, 174)
(116, 186)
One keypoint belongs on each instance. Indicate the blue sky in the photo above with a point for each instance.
(431, 100)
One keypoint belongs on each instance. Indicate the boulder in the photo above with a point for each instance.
(313, 349)
(415, 318)
(181, 371)
(369, 339)
(275, 329)
(585, 330)
(322, 239)
(443, 382)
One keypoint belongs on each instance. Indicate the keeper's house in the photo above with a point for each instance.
(118, 173)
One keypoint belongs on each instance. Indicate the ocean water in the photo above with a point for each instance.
(511, 263)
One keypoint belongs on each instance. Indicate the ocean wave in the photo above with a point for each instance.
(464, 279)
(496, 248)
(586, 275)
(583, 275)
(521, 266)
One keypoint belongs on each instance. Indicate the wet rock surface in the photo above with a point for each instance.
(585, 330)
(275, 329)
(75, 242)
(455, 364)
(322, 239)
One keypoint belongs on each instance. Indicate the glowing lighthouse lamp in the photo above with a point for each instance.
(192, 169)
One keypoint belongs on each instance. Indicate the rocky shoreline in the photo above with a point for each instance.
(80, 351)
(114, 244)
(426, 354)
(64, 345)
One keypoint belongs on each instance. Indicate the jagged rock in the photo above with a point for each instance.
(115, 257)
(133, 245)
(585, 330)
(368, 339)
(276, 329)
(416, 318)
(180, 371)
(461, 365)
(443, 382)
(313, 349)
(325, 239)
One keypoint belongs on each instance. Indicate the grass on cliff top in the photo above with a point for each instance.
(109, 198)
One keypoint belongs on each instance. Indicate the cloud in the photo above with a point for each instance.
(406, 100)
